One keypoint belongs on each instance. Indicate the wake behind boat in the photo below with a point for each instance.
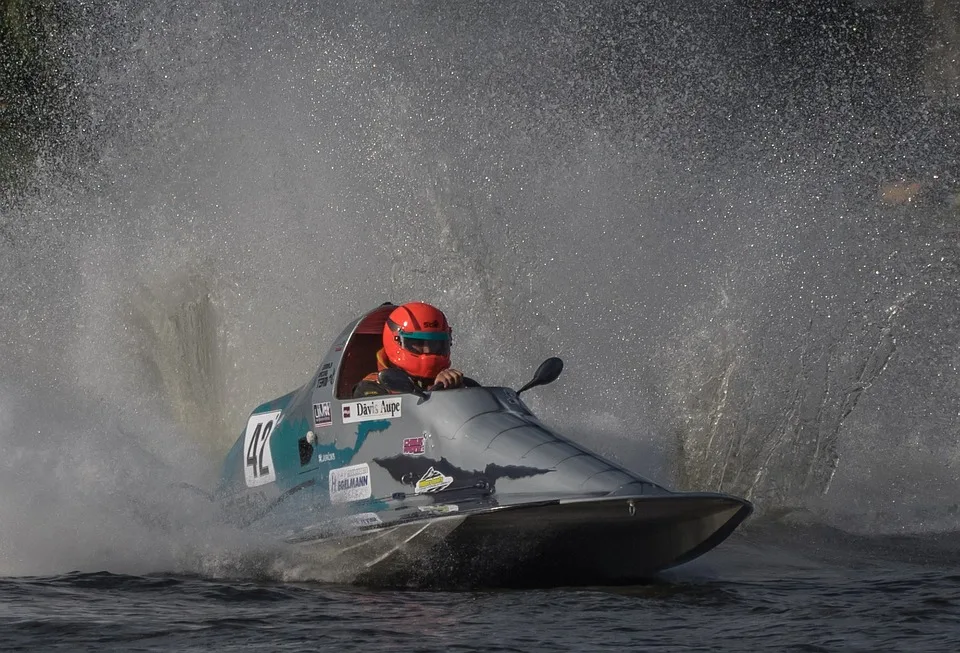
(460, 487)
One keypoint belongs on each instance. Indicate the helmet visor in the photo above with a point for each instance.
(425, 342)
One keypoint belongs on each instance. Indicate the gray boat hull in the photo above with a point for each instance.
(589, 541)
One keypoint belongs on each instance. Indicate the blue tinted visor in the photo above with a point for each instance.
(425, 342)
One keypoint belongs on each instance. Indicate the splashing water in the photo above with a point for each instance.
(627, 186)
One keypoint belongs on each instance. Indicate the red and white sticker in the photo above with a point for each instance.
(414, 446)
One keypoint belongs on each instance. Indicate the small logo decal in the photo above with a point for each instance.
(325, 376)
(413, 446)
(440, 508)
(361, 520)
(432, 481)
(322, 415)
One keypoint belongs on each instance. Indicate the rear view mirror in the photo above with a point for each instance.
(548, 372)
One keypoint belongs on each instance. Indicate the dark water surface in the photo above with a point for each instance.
(797, 589)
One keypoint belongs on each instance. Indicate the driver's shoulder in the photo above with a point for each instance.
(368, 388)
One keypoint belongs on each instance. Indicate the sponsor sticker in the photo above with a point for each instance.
(370, 409)
(361, 520)
(325, 377)
(440, 508)
(432, 481)
(413, 446)
(350, 483)
(328, 457)
(322, 415)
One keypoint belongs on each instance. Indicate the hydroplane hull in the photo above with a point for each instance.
(606, 541)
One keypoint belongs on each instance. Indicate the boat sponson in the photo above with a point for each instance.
(608, 541)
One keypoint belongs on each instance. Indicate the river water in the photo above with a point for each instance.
(792, 589)
(737, 224)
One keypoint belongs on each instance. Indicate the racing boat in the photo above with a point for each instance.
(453, 488)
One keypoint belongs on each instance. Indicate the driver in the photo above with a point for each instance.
(416, 339)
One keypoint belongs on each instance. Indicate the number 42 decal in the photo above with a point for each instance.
(258, 461)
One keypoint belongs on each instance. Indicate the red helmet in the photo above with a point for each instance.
(416, 338)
